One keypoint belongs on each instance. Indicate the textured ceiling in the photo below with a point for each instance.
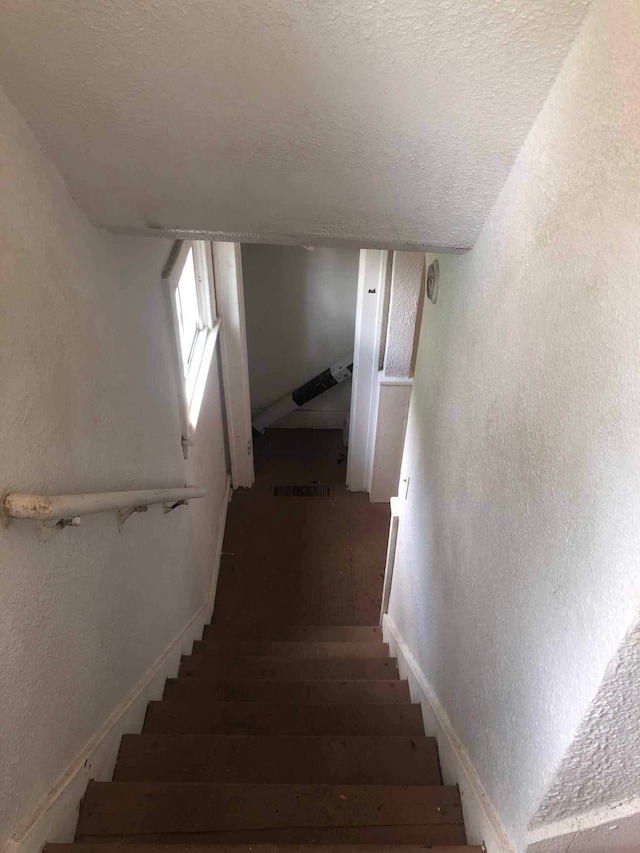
(377, 122)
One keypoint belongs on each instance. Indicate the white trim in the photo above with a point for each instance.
(368, 336)
(372, 431)
(391, 556)
(203, 259)
(480, 816)
(176, 358)
(350, 241)
(56, 815)
(227, 265)
(394, 380)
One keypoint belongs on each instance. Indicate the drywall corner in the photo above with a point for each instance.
(597, 780)
(54, 818)
(612, 828)
(482, 824)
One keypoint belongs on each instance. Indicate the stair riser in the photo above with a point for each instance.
(312, 760)
(118, 808)
(296, 633)
(133, 847)
(286, 669)
(247, 718)
(309, 650)
(315, 692)
(422, 835)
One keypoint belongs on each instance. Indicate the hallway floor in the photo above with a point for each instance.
(303, 561)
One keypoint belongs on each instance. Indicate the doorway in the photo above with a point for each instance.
(300, 306)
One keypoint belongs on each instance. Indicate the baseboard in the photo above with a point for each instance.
(55, 817)
(215, 566)
(482, 823)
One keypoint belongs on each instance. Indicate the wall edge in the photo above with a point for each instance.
(567, 830)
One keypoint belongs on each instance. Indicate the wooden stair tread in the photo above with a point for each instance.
(148, 808)
(352, 691)
(289, 669)
(299, 633)
(300, 739)
(365, 836)
(137, 847)
(278, 759)
(292, 649)
(255, 718)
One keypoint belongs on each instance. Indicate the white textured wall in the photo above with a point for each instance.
(88, 404)
(300, 308)
(407, 284)
(518, 570)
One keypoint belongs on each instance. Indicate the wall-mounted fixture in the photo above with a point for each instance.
(433, 281)
(58, 511)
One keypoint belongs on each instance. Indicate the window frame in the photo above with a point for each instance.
(192, 377)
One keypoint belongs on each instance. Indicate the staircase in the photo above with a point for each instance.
(285, 737)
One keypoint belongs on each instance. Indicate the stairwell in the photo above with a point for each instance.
(280, 736)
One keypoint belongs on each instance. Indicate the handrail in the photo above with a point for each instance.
(56, 509)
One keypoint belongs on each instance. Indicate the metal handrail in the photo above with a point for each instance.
(63, 510)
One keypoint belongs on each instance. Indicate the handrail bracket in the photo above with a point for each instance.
(124, 514)
(170, 507)
(74, 521)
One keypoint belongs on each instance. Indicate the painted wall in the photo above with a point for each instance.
(405, 313)
(300, 310)
(88, 404)
(517, 572)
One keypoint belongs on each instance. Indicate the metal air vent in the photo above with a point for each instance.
(314, 490)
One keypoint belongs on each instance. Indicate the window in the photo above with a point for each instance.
(190, 321)
(192, 294)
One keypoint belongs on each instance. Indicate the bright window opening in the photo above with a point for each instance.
(196, 324)
(189, 319)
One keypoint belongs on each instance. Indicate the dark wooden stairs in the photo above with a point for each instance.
(297, 738)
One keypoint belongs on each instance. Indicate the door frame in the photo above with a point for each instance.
(227, 270)
(368, 343)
